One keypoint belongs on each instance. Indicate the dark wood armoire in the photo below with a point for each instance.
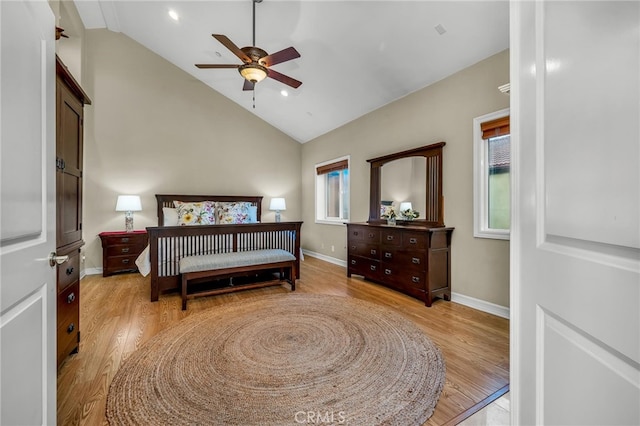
(70, 101)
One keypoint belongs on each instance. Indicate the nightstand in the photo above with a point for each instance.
(120, 250)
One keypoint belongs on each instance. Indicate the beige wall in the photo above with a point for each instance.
(153, 128)
(441, 112)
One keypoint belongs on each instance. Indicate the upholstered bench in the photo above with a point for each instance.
(234, 263)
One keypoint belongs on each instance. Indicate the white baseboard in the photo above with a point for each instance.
(481, 305)
(91, 271)
(326, 258)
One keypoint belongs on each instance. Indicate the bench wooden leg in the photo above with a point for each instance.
(184, 291)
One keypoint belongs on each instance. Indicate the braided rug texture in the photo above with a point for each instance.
(286, 359)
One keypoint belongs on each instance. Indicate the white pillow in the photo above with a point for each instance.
(170, 216)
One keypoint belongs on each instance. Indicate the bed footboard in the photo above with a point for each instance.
(169, 244)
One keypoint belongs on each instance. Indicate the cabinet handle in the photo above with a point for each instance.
(389, 237)
(353, 247)
(71, 328)
(355, 233)
(69, 270)
(374, 251)
(71, 298)
(387, 255)
(370, 234)
(125, 261)
(387, 271)
(413, 240)
(415, 260)
(415, 279)
(125, 250)
(353, 261)
(125, 239)
(374, 267)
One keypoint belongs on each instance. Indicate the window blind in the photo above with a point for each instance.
(332, 167)
(498, 127)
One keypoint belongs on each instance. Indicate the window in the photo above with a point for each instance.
(492, 177)
(332, 191)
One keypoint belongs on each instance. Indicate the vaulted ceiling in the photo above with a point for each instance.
(356, 56)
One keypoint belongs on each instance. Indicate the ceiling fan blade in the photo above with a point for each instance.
(248, 85)
(232, 47)
(282, 56)
(205, 66)
(283, 78)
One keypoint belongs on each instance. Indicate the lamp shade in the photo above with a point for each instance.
(277, 204)
(404, 206)
(253, 72)
(128, 203)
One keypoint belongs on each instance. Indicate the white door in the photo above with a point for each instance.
(575, 241)
(27, 214)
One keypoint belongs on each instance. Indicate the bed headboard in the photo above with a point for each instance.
(167, 201)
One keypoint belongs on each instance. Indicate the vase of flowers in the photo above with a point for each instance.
(390, 215)
(410, 214)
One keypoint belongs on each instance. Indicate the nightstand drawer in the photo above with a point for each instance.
(121, 263)
(124, 250)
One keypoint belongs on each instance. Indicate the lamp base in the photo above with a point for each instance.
(128, 221)
(277, 216)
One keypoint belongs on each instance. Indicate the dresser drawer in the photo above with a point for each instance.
(398, 276)
(364, 233)
(69, 271)
(371, 251)
(414, 240)
(366, 267)
(68, 323)
(69, 305)
(403, 258)
(391, 237)
(137, 238)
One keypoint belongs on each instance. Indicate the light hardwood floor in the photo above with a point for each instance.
(117, 318)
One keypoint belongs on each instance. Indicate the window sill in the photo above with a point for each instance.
(340, 222)
(493, 234)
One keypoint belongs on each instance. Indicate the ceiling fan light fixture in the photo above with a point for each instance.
(253, 72)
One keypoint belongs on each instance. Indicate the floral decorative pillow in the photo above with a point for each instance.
(234, 212)
(201, 213)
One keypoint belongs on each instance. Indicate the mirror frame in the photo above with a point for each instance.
(434, 215)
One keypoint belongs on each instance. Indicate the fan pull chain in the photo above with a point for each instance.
(254, 96)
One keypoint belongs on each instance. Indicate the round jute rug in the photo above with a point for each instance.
(287, 359)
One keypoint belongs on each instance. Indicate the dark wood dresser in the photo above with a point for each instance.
(411, 259)
(120, 250)
(70, 101)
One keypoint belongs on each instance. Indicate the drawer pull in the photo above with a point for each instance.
(125, 239)
(125, 261)
(415, 279)
(389, 237)
(125, 250)
(413, 240)
(387, 255)
(353, 261)
(374, 267)
(374, 251)
(415, 260)
(71, 328)
(71, 298)
(387, 271)
(370, 234)
(353, 247)
(69, 270)
(355, 233)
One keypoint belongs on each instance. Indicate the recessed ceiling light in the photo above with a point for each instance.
(173, 14)
(284, 93)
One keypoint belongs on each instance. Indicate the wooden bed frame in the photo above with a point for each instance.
(176, 242)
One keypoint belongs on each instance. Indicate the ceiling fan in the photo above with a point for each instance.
(257, 63)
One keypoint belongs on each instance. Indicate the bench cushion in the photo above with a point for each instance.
(234, 259)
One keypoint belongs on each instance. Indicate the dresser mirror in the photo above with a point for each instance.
(415, 176)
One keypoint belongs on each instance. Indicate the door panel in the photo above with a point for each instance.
(575, 241)
(27, 159)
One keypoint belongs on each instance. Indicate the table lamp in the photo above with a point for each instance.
(277, 204)
(128, 204)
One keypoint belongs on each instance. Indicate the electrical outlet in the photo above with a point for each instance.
(321, 245)
(333, 248)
